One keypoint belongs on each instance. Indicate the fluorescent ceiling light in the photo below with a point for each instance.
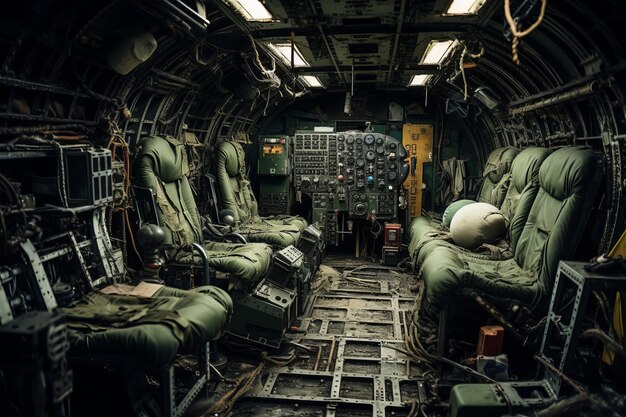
(462, 7)
(312, 81)
(283, 51)
(252, 10)
(419, 80)
(437, 51)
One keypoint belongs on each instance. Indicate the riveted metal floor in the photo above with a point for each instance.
(349, 351)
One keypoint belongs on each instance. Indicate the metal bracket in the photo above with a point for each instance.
(39, 274)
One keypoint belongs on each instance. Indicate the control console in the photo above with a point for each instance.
(356, 172)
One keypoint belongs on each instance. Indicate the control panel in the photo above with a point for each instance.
(274, 173)
(356, 172)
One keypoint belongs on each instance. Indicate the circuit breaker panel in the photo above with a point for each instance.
(417, 140)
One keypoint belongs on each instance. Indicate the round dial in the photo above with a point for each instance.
(392, 175)
(369, 139)
(360, 163)
(340, 147)
(380, 150)
(392, 145)
(392, 166)
(350, 160)
(360, 209)
(370, 155)
(380, 140)
(350, 139)
(350, 147)
(359, 147)
(359, 141)
(341, 138)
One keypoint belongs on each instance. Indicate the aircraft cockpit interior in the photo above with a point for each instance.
(312, 208)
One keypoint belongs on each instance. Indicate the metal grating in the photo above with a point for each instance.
(355, 332)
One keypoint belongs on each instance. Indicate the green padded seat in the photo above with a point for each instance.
(520, 195)
(569, 179)
(148, 331)
(493, 189)
(161, 165)
(496, 175)
(236, 195)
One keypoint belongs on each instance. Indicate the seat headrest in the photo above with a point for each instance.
(569, 170)
(525, 167)
(168, 156)
(499, 163)
(227, 155)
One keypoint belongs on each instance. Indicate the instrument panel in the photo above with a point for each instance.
(356, 172)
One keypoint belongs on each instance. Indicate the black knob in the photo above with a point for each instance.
(360, 209)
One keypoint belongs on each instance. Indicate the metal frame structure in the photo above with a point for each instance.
(573, 288)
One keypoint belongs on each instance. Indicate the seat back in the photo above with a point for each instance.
(495, 175)
(161, 165)
(522, 190)
(233, 183)
(568, 183)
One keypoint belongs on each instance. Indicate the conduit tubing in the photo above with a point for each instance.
(574, 94)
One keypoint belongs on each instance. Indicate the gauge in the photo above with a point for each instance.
(380, 150)
(350, 160)
(392, 166)
(359, 147)
(392, 175)
(359, 141)
(340, 147)
(370, 155)
(360, 163)
(341, 138)
(369, 139)
(380, 140)
(350, 148)
(350, 139)
(392, 145)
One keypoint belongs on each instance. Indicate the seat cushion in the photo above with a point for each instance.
(273, 234)
(476, 224)
(148, 331)
(248, 262)
(287, 220)
(446, 270)
(452, 209)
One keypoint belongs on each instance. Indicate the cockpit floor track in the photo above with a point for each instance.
(348, 347)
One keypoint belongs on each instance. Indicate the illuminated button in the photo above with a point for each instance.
(340, 178)
(370, 179)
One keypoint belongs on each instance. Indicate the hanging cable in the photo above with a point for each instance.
(515, 27)
(462, 65)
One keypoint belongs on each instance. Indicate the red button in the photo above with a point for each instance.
(340, 178)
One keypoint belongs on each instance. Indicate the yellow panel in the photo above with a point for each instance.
(417, 139)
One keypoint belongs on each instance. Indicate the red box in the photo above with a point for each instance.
(393, 234)
(490, 339)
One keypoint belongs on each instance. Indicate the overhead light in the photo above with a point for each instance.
(312, 81)
(437, 51)
(283, 51)
(419, 80)
(252, 10)
(464, 7)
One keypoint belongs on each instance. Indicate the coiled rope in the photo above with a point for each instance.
(516, 28)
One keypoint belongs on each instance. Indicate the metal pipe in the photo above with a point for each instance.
(330, 51)
(396, 40)
(570, 95)
(205, 262)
